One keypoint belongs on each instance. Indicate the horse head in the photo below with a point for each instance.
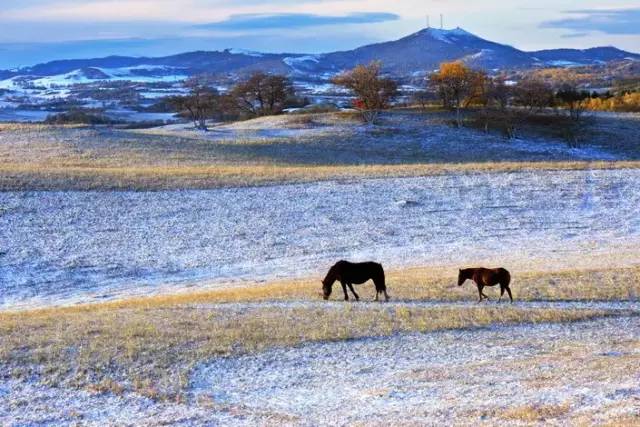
(462, 277)
(326, 289)
(327, 282)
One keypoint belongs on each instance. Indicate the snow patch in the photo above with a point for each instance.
(236, 51)
(447, 36)
(564, 63)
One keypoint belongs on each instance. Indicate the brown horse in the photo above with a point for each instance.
(487, 277)
(349, 274)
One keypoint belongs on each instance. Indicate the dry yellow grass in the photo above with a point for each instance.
(151, 350)
(562, 285)
(89, 176)
(149, 344)
(622, 420)
(536, 413)
(80, 158)
(34, 127)
(413, 284)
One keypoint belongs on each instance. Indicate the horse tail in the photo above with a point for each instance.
(506, 278)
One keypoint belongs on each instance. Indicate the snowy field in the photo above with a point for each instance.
(582, 373)
(431, 378)
(60, 247)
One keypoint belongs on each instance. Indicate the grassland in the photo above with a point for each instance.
(54, 177)
(291, 149)
(150, 345)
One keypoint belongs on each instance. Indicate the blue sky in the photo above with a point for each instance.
(38, 30)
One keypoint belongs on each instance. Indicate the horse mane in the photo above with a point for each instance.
(468, 272)
(332, 274)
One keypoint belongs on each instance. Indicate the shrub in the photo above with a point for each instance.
(79, 117)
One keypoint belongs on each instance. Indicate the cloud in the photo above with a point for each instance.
(575, 35)
(243, 22)
(608, 21)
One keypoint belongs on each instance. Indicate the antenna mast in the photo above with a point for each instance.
(428, 25)
(441, 21)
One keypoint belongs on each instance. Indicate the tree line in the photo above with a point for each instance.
(457, 86)
(260, 95)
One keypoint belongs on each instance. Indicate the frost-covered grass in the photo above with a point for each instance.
(292, 148)
(150, 344)
(151, 350)
(243, 342)
(19, 176)
(582, 373)
(244, 360)
(62, 247)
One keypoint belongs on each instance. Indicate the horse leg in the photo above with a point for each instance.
(480, 293)
(377, 293)
(509, 292)
(353, 292)
(381, 287)
(502, 288)
(344, 289)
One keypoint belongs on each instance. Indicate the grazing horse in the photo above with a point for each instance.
(349, 274)
(487, 277)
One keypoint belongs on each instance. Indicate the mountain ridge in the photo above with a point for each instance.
(415, 53)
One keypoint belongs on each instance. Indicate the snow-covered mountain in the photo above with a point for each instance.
(53, 85)
(417, 53)
(424, 50)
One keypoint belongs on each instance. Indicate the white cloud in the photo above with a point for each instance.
(515, 22)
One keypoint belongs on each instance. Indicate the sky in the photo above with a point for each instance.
(40, 30)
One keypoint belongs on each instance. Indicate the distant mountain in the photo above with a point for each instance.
(409, 56)
(570, 57)
(426, 49)
(227, 61)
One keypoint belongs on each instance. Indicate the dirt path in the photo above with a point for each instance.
(570, 305)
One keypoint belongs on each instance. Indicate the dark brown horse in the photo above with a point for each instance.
(349, 274)
(487, 277)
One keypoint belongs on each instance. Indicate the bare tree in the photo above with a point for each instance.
(534, 94)
(499, 93)
(500, 96)
(422, 98)
(575, 100)
(200, 104)
(374, 92)
(262, 94)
